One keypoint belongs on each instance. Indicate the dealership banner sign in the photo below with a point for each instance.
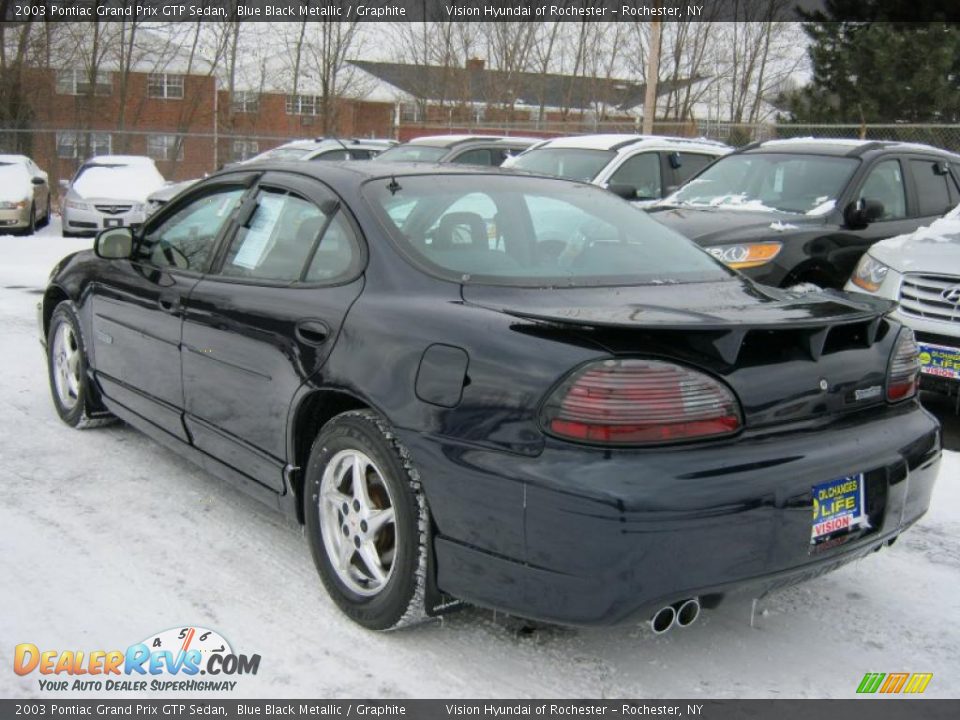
(409, 10)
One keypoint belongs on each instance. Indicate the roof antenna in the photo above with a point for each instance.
(394, 186)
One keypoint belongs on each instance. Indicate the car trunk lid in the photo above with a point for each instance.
(788, 356)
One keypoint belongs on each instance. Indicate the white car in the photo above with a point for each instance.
(24, 194)
(921, 271)
(109, 191)
(641, 168)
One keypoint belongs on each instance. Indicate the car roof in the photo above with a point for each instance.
(342, 175)
(120, 160)
(451, 140)
(843, 147)
(619, 141)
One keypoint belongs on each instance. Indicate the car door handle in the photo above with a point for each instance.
(169, 304)
(312, 332)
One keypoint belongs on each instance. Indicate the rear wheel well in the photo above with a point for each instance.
(51, 298)
(315, 411)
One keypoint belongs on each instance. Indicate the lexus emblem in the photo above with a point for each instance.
(952, 294)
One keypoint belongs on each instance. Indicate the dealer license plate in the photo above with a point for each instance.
(839, 506)
(940, 360)
(112, 222)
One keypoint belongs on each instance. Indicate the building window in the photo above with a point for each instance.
(245, 149)
(409, 112)
(165, 147)
(72, 145)
(165, 85)
(245, 101)
(303, 104)
(77, 82)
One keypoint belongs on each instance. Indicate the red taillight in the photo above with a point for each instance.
(639, 402)
(903, 377)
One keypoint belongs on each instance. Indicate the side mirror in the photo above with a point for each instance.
(114, 243)
(675, 162)
(861, 213)
(38, 181)
(627, 192)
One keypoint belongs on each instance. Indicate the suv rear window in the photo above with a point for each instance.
(572, 163)
(532, 232)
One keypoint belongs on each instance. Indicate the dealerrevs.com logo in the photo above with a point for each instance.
(172, 660)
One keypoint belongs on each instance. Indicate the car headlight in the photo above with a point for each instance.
(77, 205)
(746, 255)
(10, 205)
(869, 274)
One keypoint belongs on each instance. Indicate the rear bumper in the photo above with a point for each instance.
(582, 536)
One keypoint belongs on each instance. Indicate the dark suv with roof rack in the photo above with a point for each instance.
(805, 210)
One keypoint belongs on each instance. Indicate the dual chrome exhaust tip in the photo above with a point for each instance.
(681, 614)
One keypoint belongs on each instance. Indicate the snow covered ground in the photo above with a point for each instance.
(107, 538)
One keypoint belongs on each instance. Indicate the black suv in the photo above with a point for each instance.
(805, 210)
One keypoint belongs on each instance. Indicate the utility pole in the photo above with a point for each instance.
(653, 73)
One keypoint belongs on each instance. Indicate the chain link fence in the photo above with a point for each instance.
(182, 156)
(179, 156)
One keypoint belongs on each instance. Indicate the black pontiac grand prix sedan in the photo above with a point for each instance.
(514, 391)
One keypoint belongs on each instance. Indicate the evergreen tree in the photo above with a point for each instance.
(881, 61)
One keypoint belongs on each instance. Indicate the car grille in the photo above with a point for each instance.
(113, 209)
(931, 297)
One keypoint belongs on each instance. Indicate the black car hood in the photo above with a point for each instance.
(711, 226)
(723, 305)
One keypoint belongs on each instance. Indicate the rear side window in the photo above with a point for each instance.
(933, 193)
(690, 165)
(277, 240)
(477, 156)
(336, 254)
(641, 172)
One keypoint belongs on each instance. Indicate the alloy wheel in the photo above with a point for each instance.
(66, 366)
(358, 522)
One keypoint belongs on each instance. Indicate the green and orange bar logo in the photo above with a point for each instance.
(892, 683)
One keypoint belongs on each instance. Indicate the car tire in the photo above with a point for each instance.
(31, 228)
(375, 574)
(73, 396)
(46, 215)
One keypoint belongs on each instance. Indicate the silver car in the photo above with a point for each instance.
(109, 191)
(24, 194)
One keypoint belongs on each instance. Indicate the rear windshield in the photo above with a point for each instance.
(284, 153)
(571, 163)
(532, 232)
(413, 153)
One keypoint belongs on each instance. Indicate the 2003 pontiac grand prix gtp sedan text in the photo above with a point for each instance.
(510, 390)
